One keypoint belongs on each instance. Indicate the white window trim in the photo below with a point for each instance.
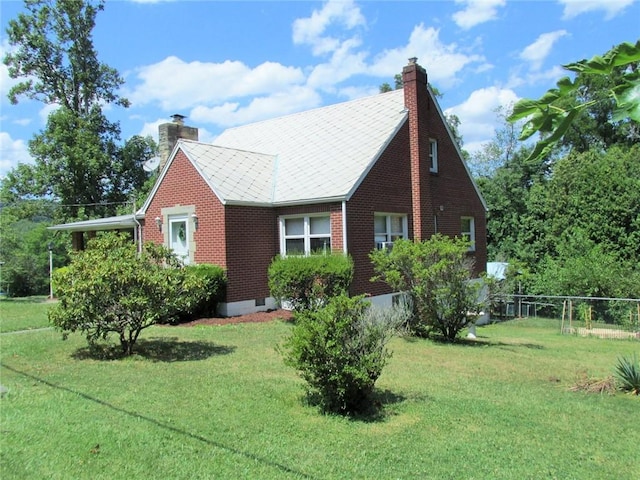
(471, 236)
(306, 235)
(433, 155)
(388, 232)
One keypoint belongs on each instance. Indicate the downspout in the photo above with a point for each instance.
(344, 227)
(137, 232)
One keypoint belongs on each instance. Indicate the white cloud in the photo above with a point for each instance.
(12, 152)
(176, 84)
(612, 8)
(442, 62)
(233, 113)
(477, 12)
(315, 30)
(477, 114)
(538, 51)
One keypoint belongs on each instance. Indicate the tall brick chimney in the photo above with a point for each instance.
(169, 133)
(416, 100)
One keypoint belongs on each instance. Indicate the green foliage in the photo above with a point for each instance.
(627, 372)
(204, 286)
(436, 275)
(341, 349)
(77, 159)
(308, 282)
(111, 288)
(552, 117)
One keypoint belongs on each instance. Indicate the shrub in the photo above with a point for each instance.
(627, 372)
(111, 288)
(308, 282)
(204, 286)
(436, 275)
(341, 349)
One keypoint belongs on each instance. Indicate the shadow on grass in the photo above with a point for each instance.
(35, 299)
(376, 408)
(158, 349)
(252, 457)
(479, 341)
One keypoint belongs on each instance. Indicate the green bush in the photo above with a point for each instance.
(204, 286)
(627, 372)
(308, 282)
(341, 349)
(111, 288)
(436, 275)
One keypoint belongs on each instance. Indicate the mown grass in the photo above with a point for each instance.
(217, 402)
(23, 313)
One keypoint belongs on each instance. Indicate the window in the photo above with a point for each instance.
(388, 228)
(305, 235)
(468, 230)
(433, 155)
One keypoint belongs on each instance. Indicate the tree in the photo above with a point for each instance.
(56, 56)
(111, 288)
(436, 274)
(552, 115)
(77, 157)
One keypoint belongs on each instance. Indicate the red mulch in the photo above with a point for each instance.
(249, 318)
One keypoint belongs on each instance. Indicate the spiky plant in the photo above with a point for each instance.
(627, 373)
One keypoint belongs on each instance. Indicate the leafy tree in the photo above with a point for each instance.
(552, 115)
(436, 275)
(77, 158)
(110, 288)
(341, 349)
(56, 58)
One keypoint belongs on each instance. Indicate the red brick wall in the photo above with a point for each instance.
(252, 242)
(181, 186)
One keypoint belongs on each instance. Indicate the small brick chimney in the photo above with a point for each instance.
(416, 100)
(169, 133)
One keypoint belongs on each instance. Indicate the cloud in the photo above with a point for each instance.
(540, 49)
(317, 30)
(573, 8)
(231, 114)
(442, 61)
(477, 115)
(176, 84)
(12, 152)
(477, 12)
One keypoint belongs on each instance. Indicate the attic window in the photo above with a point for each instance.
(433, 155)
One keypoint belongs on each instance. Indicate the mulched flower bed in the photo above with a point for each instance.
(249, 318)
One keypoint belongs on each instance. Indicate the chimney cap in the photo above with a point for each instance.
(177, 118)
(413, 60)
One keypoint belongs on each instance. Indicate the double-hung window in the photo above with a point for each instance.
(468, 231)
(305, 235)
(388, 228)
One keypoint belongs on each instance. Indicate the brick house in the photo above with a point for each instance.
(349, 177)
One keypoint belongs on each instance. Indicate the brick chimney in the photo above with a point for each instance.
(416, 100)
(169, 133)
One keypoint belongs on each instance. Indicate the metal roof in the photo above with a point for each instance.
(109, 223)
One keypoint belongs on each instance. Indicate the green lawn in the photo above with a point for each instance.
(217, 402)
(23, 313)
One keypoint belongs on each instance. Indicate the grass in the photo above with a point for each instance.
(23, 313)
(217, 402)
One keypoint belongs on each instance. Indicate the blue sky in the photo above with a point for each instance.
(228, 63)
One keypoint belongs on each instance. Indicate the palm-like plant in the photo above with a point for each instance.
(627, 373)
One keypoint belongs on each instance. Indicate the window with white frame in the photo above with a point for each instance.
(468, 231)
(433, 155)
(305, 235)
(388, 228)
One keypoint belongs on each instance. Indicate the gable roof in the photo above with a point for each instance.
(318, 155)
